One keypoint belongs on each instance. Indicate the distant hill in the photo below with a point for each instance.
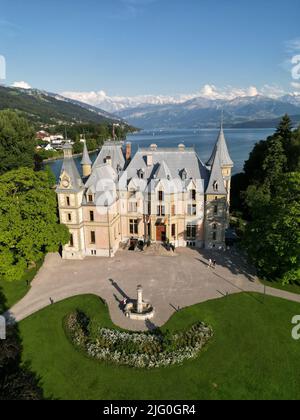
(47, 108)
(268, 123)
(257, 111)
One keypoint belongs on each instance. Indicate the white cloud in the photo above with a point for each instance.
(21, 85)
(296, 85)
(293, 45)
(209, 91)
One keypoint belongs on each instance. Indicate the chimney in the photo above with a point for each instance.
(149, 160)
(108, 160)
(153, 147)
(128, 151)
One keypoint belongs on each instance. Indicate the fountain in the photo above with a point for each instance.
(139, 310)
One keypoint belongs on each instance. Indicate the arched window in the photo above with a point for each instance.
(215, 185)
(141, 173)
(184, 174)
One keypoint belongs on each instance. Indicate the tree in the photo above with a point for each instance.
(28, 220)
(284, 129)
(17, 382)
(275, 161)
(272, 238)
(17, 141)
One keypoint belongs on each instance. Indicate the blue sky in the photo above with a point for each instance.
(132, 47)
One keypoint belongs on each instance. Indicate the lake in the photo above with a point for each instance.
(240, 143)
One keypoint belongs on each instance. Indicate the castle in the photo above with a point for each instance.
(157, 195)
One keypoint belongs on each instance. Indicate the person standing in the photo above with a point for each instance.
(209, 262)
(214, 263)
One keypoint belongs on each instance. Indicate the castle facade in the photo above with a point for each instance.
(156, 195)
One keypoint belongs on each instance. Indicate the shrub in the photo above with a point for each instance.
(135, 349)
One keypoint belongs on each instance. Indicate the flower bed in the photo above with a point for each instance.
(140, 350)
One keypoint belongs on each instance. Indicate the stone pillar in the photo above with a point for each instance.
(139, 299)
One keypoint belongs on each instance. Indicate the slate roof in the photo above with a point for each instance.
(168, 162)
(85, 157)
(70, 168)
(102, 183)
(222, 150)
(115, 151)
(216, 177)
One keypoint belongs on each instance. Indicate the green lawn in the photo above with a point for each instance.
(17, 289)
(251, 356)
(293, 288)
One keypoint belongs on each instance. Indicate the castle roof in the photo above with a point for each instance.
(114, 151)
(69, 169)
(85, 157)
(216, 182)
(222, 150)
(167, 163)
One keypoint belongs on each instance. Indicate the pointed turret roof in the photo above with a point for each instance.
(85, 157)
(69, 172)
(222, 150)
(216, 182)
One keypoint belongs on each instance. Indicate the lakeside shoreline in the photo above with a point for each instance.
(62, 156)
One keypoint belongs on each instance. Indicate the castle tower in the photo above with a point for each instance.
(86, 162)
(217, 195)
(70, 194)
(226, 163)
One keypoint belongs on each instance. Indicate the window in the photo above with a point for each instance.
(215, 186)
(133, 226)
(71, 243)
(90, 198)
(192, 209)
(68, 201)
(131, 193)
(214, 236)
(160, 196)
(214, 226)
(215, 209)
(193, 195)
(191, 231)
(94, 252)
(132, 208)
(173, 229)
(93, 237)
(69, 217)
(173, 210)
(161, 211)
(92, 218)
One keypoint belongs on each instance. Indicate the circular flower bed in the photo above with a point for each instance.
(140, 350)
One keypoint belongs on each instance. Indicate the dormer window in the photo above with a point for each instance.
(141, 173)
(216, 186)
(90, 198)
(184, 174)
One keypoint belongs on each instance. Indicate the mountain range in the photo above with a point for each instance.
(203, 112)
(42, 107)
(200, 112)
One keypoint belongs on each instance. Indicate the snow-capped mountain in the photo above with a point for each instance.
(203, 112)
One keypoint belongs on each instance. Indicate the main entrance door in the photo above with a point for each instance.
(161, 233)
